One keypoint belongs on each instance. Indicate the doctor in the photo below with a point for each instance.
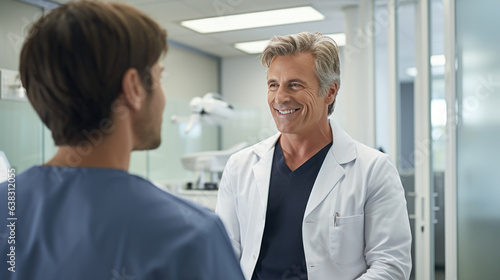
(311, 202)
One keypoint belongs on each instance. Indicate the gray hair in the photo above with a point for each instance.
(324, 49)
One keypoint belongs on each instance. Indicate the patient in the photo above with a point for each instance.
(92, 72)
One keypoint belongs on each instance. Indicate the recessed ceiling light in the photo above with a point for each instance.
(339, 38)
(438, 60)
(252, 47)
(253, 20)
(412, 71)
(255, 47)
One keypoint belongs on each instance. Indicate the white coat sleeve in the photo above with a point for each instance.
(226, 206)
(387, 228)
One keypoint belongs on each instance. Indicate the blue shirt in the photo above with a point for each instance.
(282, 252)
(93, 223)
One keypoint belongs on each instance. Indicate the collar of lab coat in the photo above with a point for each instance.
(343, 148)
(343, 151)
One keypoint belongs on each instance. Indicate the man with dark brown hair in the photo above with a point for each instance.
(92, 73)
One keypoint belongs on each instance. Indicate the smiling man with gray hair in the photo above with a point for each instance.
(310, 202)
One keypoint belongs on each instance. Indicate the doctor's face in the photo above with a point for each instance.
(293, 94)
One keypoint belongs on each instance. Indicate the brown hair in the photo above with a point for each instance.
(74, 58)
(324, 49)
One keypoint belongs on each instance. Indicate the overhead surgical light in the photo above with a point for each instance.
(211, 109)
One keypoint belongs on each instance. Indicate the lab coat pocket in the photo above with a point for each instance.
(346, 238)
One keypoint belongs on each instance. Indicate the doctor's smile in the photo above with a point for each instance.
(287, 112)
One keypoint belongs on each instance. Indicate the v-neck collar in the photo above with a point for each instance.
(318, 157)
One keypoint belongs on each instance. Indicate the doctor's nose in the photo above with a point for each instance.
(281, 95)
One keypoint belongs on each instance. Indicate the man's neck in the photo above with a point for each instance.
(298, 148)
(73, 156)
(112, 152)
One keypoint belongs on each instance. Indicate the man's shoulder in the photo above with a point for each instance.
(368, 153)
(373, 161)
(254, 151)
(116, 190)
(159, 205)
(244, 153)
(347, 148)
(368, 158)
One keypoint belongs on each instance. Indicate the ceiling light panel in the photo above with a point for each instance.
(339, 38)
(438, 60)
(254, 20)
(255, 47)
(252, 47)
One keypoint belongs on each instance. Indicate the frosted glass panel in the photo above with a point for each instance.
(438, 131)
(49, 147)
(20, 127)
(478, 138)
(382, 99)
(250, 124)
(165, 162)
(21, 134)
(139, 163)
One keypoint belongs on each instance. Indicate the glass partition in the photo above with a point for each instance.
(406, 65)
(21, 138)
(478, 138)
(438, 131)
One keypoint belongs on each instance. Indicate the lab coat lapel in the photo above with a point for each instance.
(343, 151)
(262, 169)
(329, 175)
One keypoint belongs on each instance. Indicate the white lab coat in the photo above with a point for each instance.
(371, 237)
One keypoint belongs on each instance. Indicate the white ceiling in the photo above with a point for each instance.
(169, 13)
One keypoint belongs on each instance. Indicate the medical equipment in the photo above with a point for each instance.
(211, 162)
(210, 109)
(10, 86)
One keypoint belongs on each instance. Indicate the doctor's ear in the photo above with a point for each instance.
(133, 93)
(331, 94)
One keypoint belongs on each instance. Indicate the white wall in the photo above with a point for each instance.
(15, 18)
(186, 75)
(244, 84)
(357, 81)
